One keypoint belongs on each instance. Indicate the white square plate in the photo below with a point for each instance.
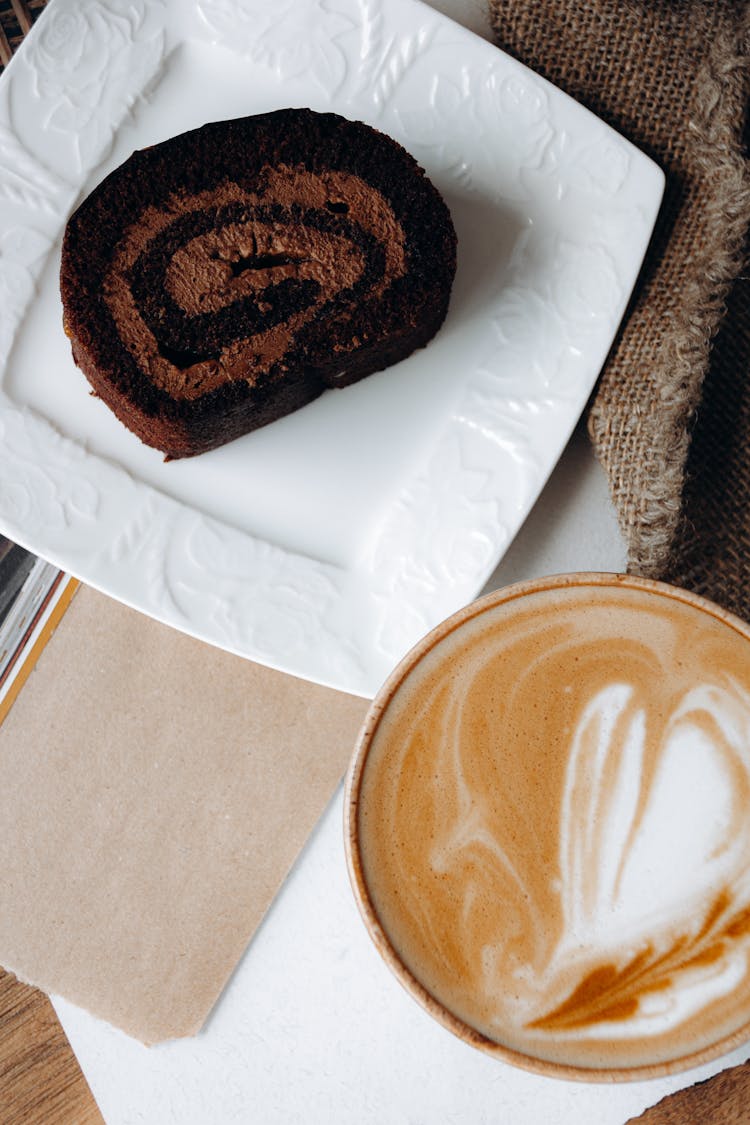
(329, 542)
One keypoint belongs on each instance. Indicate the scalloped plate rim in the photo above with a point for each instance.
(356, 604)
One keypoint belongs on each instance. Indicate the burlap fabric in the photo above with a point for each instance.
(670, 420)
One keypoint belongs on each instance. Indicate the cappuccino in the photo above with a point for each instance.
(549, 826)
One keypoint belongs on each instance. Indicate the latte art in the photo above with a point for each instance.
(653, 870)
(554, 826)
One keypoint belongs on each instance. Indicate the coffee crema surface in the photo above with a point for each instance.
(553, 826)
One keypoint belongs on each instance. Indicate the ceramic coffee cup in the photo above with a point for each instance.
(548, 826)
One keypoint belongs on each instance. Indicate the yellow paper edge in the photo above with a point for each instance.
(70, 585)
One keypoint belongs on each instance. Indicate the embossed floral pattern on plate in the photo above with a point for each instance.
(337, 572)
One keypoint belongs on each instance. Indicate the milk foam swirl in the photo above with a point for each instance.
(555, 827)
(653, 882)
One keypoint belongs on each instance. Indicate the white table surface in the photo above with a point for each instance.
(313, 1027)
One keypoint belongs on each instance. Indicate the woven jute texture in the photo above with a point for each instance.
(670, 419)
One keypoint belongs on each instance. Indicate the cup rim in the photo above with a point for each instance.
(352, 790)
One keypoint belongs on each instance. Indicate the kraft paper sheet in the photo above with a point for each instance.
(155, 793)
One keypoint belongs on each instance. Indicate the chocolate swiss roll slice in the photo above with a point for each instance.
(226, 277)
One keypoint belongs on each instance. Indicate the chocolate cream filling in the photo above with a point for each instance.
(215, 287)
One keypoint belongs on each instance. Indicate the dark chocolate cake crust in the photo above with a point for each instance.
(226, 277)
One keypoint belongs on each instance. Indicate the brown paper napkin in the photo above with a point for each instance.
(155, 793)
(675, 79)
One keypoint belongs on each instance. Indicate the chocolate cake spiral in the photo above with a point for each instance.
(221, 279)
